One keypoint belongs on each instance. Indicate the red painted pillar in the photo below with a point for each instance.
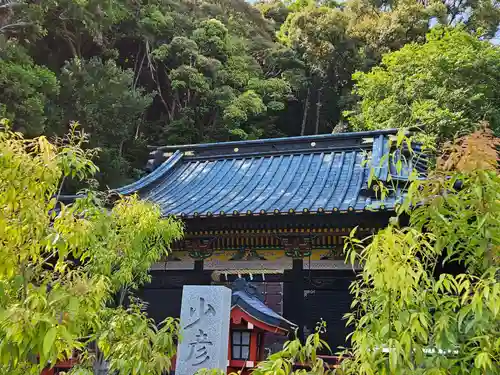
(253, 345)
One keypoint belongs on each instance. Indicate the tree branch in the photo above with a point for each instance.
(17, 24)
(157, 81)
(138, 69)
(9, 5)
(70, 37)
(306, 110)
(60, 188)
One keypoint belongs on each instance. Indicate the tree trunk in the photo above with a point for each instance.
(160, 94)
(318, 110)
(122, 295)
(120, 150)
(306, 109)
(171, 113)
(137, 127)
(70, 39)
(138, 67)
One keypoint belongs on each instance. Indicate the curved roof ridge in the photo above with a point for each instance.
(154, 176)
(370, 133)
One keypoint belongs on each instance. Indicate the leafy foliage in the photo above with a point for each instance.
(409, 317)
(428, 298)
(295, 352)
(448, 85)
(26, 89)
(112, 121)
(147, 348)
(390, 28)
(320, 37)
(476, 15)
(65, 271)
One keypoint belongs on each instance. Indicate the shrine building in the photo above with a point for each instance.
(273, 212)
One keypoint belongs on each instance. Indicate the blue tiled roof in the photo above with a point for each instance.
(326, 173)
(245, 296)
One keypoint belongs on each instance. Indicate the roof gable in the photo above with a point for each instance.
(246, 297)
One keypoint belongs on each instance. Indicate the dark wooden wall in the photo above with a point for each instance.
(306, 297)
(326, 297)
(163, 295)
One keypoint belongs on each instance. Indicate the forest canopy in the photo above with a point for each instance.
(139, 72)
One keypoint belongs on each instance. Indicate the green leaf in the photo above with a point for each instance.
(483, 361)
(48, 341)
(393, 360)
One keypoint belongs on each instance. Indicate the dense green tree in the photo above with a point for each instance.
(214, 71)
(374, 28)
(67, 271)
(447, 85)
(481, 16)
(26, 89)
(386, 26)
(78, 26)
(320, 37)
(333, 40)
(277, 11)
(112, 122)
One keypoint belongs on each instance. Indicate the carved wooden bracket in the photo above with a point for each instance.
(335, 253)
(296, 247)
(247, 253)
(200, 248)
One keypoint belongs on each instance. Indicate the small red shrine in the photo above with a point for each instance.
(250, 321)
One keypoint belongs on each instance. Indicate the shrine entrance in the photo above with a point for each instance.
(275, 212)
(324, 296)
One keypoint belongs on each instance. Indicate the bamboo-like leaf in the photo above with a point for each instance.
(48, 341)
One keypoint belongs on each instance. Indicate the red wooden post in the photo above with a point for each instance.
(253, 345)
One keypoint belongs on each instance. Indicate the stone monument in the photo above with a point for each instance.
(205, 315)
